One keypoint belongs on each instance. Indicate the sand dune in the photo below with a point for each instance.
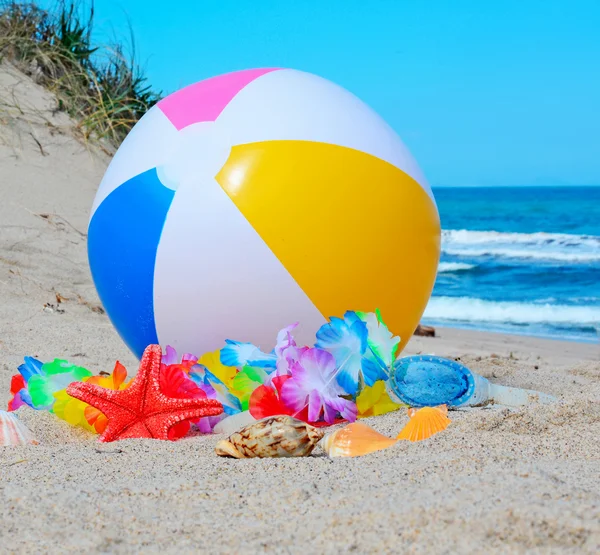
(497, 480)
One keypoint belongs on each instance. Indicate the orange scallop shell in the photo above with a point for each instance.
(424, 423)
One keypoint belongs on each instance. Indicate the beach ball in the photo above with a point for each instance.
(244, 203)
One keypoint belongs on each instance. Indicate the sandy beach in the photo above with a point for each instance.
(497, 480)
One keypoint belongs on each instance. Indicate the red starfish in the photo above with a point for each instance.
(142, 410)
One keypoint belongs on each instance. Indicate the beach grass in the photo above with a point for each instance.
(102, 88)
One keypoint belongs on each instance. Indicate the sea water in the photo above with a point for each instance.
(522, 260)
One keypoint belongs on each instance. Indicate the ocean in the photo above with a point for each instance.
(522, 260)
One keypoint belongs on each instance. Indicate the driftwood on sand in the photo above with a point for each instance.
(425, 331)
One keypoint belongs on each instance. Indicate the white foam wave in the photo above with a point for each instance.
(523, 253)
(466, 309)
(465, 236)
(540, 246)
(447, 267)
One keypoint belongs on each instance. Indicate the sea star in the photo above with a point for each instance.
(142, 410)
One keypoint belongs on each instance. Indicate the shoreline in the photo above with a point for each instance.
(501, 332)
(456, 341)
(532, 335)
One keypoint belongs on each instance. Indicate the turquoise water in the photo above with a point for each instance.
(522, 260)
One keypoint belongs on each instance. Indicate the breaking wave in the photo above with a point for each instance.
(466, 309)
(447, 267)
(559, 247)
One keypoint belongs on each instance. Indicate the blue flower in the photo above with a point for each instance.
(347, 340)
(31, 367)
(239, 354)
(215, 389)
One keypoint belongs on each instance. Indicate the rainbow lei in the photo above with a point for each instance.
(341, 377)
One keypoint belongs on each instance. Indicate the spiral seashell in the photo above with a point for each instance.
(275, 436)
(13, 431)
(355, 440)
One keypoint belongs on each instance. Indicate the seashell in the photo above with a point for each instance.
(428, 381)
(13, 431)
(234, 422)
(424, 423)
(355, 440)
(274, 436)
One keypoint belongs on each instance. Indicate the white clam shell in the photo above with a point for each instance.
(13, 431)
(233, 423)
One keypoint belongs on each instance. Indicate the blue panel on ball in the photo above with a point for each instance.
(123, 238)
(426, 381)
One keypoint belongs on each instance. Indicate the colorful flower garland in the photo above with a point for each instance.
(340, 378)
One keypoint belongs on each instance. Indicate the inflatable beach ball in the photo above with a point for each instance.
(247, 202)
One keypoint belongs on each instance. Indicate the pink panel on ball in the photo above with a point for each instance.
(204, 101)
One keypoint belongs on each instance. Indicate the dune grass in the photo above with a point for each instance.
(100, 87)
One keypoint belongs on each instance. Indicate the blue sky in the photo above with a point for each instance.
(482, 92)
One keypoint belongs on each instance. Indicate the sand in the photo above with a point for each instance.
(500, 480)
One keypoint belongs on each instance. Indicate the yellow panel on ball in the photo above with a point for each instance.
(355, 232)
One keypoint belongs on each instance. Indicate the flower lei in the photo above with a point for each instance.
(341, 377)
